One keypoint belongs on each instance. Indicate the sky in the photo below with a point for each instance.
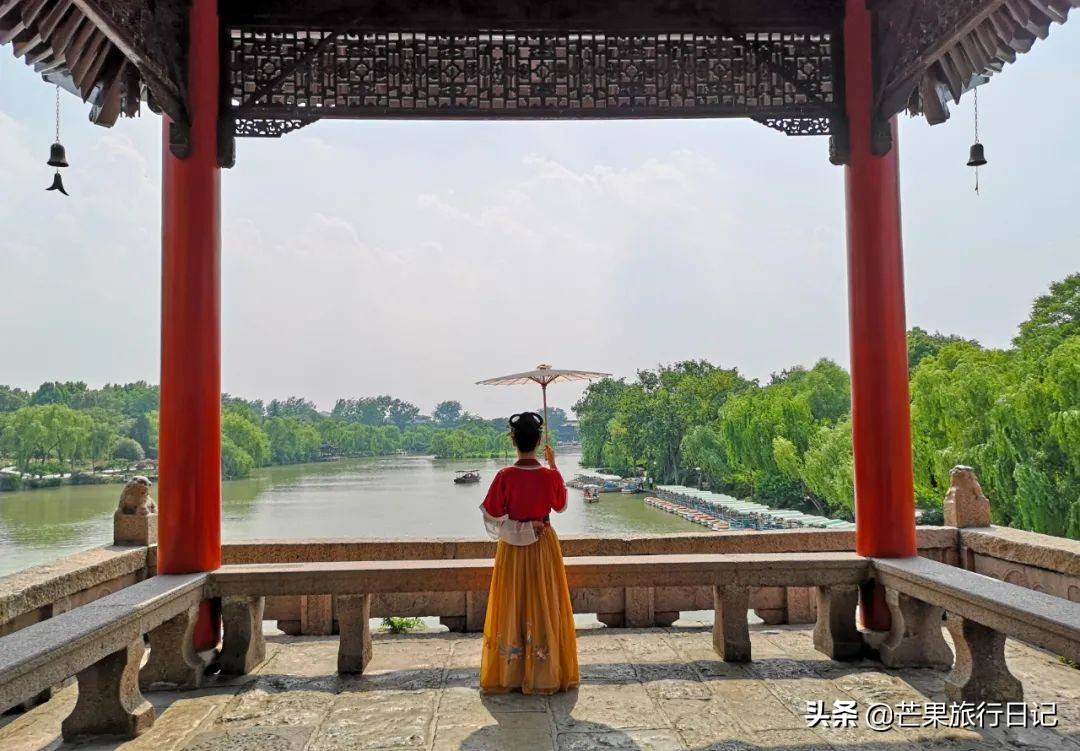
(411, 258)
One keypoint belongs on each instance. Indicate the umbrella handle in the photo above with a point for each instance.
(547, 433)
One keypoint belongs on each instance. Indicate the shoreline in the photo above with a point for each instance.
(15, 483)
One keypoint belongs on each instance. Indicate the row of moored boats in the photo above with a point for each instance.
(721, 512)
(604, 483)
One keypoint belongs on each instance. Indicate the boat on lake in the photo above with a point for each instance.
(592, 493)
(467, 477)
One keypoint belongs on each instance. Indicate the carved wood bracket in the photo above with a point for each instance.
(153, 37)
(930, 51)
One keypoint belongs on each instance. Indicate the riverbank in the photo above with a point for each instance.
(11, 482)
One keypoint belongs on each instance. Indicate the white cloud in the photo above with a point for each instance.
(415, 258)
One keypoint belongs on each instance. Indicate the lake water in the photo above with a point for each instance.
(401, 496)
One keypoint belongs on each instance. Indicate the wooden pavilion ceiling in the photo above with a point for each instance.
(290, 62)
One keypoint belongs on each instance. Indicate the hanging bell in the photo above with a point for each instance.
(977, 157)
(57, 183)
(57, 156)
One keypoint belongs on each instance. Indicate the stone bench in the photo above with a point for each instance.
(979, 613)
(352, 584)
(102, 644)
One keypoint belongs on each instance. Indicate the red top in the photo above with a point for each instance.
(526, 491)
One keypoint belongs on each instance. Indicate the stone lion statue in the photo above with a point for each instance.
(136, 497)
(965, 504)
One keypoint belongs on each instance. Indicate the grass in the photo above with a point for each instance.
(401, 625)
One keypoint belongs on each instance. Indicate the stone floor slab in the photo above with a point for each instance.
(630, 740)
(253, 739)
(499, 731)
(602, 707)
(298, 704)
(457, 701)
(377, 720)
(700, 723)
(660, 689)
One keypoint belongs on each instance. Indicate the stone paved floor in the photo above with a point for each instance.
(650, 689)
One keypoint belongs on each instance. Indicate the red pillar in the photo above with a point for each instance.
(881, 420)
(189, 445)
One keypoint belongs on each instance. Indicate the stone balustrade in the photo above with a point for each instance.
(1028, 559)
(730, 578)
(613, 606)
(41, 592)
(1039, 562)
(979, 613)
(102, 642)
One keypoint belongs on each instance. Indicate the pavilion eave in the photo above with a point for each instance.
(285, 61)
(110, 53)
(931, 51)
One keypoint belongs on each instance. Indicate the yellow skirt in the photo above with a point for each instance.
(529, 641)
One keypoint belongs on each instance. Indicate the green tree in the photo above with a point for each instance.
(24, 436)
(294, 407)
(1054, 318)
(368, 410)
(922, 344)
(828, 470)
(595, 410)
(12, 399)
(128, 449)
(702, 447)
(250, 409)
(246, 436)
(67, 432)
(104, 433)
(447, 414)
(144, 429)
(401, 414)
(55, 392)
(292, 441)
(235, 462)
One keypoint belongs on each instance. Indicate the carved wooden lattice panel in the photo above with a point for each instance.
(306, 75)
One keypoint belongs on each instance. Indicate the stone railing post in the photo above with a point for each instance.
(776, 605)
(173, 659)
(835, 632)
(134, 530)
(454, 623)
(135, 519)
(612, 620)
(731, 630)
(316, 615)
(914, 639)
(243, 646)
(769, 604)
(965, 503)
(110, 702)
(354, 645)
(979, 673)
(640, 607)
(475, 611)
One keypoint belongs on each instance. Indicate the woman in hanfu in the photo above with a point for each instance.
(529, 641)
